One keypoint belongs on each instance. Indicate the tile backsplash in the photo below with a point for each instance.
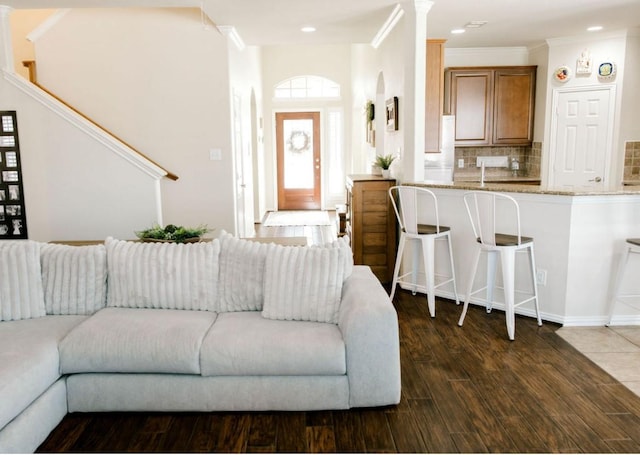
(631, 161)
(528, 157)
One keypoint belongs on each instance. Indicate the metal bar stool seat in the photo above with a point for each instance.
(481, 208)
(411, 203)
(632, 246)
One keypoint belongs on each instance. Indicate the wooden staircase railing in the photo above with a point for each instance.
(31, 66)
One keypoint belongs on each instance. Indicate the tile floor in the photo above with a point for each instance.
(615, 349)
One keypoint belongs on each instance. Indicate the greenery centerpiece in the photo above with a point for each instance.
(172, 233)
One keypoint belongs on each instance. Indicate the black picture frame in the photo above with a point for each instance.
(13, 220)
(392, 114)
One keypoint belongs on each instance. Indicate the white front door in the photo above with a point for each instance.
(581, 137)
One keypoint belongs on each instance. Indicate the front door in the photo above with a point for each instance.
(581, 137)
(298, 155)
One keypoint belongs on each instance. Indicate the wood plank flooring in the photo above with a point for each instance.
(465, 389)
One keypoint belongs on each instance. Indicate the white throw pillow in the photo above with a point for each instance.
(241, 283)
(342, 242)
(179, 276)
(21, 295)
(74, 278)
(303, 283)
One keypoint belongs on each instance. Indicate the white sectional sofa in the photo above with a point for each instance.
(226, 325)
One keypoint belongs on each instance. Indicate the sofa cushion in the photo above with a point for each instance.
(240, 287)
(21, 295)
(74, 278)
(245, 343)
(29, 361)
(303, 283)
(162, 275)
(129, 340)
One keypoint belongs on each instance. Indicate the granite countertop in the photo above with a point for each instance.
(520, 186)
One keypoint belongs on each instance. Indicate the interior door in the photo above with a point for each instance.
(581, 137)
(298, 155)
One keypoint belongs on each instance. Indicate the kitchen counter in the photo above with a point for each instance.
(579, 236)
(527, 186)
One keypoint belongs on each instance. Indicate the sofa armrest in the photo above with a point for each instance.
(369, 326)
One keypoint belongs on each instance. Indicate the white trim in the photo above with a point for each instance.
(585, 37)
(388, 26)
(158, 191)
(230, 32)
(47, 25)
(85, 126)
(6, 51)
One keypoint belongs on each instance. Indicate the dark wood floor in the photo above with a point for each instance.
(465, 389)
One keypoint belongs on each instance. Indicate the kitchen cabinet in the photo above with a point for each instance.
(492, 105)
(371, 224)
(434, 94)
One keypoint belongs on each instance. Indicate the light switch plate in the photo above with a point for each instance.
(215, 154)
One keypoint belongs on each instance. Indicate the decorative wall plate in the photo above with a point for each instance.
(562, 74)
(607, 70)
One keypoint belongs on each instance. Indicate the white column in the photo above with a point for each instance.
(415, 61)
(6, 49)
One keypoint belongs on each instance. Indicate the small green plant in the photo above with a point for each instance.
(171, 232)
(384, 161)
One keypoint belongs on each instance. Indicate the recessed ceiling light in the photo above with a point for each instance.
(308, 29)
(595, 28)
(458, 31)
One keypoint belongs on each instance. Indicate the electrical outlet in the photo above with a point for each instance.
(460, 163)
(541, 277)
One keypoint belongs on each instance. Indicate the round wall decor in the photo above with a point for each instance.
(606, 70)
(562, 74)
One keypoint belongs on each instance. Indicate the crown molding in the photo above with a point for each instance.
(388, 26)
(47, 25)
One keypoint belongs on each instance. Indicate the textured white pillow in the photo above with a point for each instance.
(74, 278)
(21, 295)
(240, 287)
(303, 283)
(179, 276)
(342, 242)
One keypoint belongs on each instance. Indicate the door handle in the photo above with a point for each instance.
(597, 180)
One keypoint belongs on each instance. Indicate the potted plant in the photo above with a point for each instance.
(384, 162)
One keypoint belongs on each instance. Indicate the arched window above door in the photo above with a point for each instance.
(302, 87)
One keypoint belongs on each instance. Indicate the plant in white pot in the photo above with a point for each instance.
(384, 162)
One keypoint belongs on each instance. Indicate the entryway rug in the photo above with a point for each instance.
(298, 218)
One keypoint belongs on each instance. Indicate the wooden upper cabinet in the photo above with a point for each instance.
(514, 105)
(493, 106)
(434, 91)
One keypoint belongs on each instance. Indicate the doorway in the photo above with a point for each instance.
(581, 136)
(298, 159)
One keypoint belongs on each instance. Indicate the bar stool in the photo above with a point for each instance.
(411, 199)
(481, 208)
(632, 246)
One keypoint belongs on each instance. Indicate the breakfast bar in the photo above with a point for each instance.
(579, 236)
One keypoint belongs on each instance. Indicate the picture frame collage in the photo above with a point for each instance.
(13, 221)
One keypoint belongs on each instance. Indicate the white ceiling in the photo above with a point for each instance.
(510, 22)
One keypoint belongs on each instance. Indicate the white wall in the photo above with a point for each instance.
(158, 78)
(246, 83)
(486, 56)
(603, 47)
(69, 186)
